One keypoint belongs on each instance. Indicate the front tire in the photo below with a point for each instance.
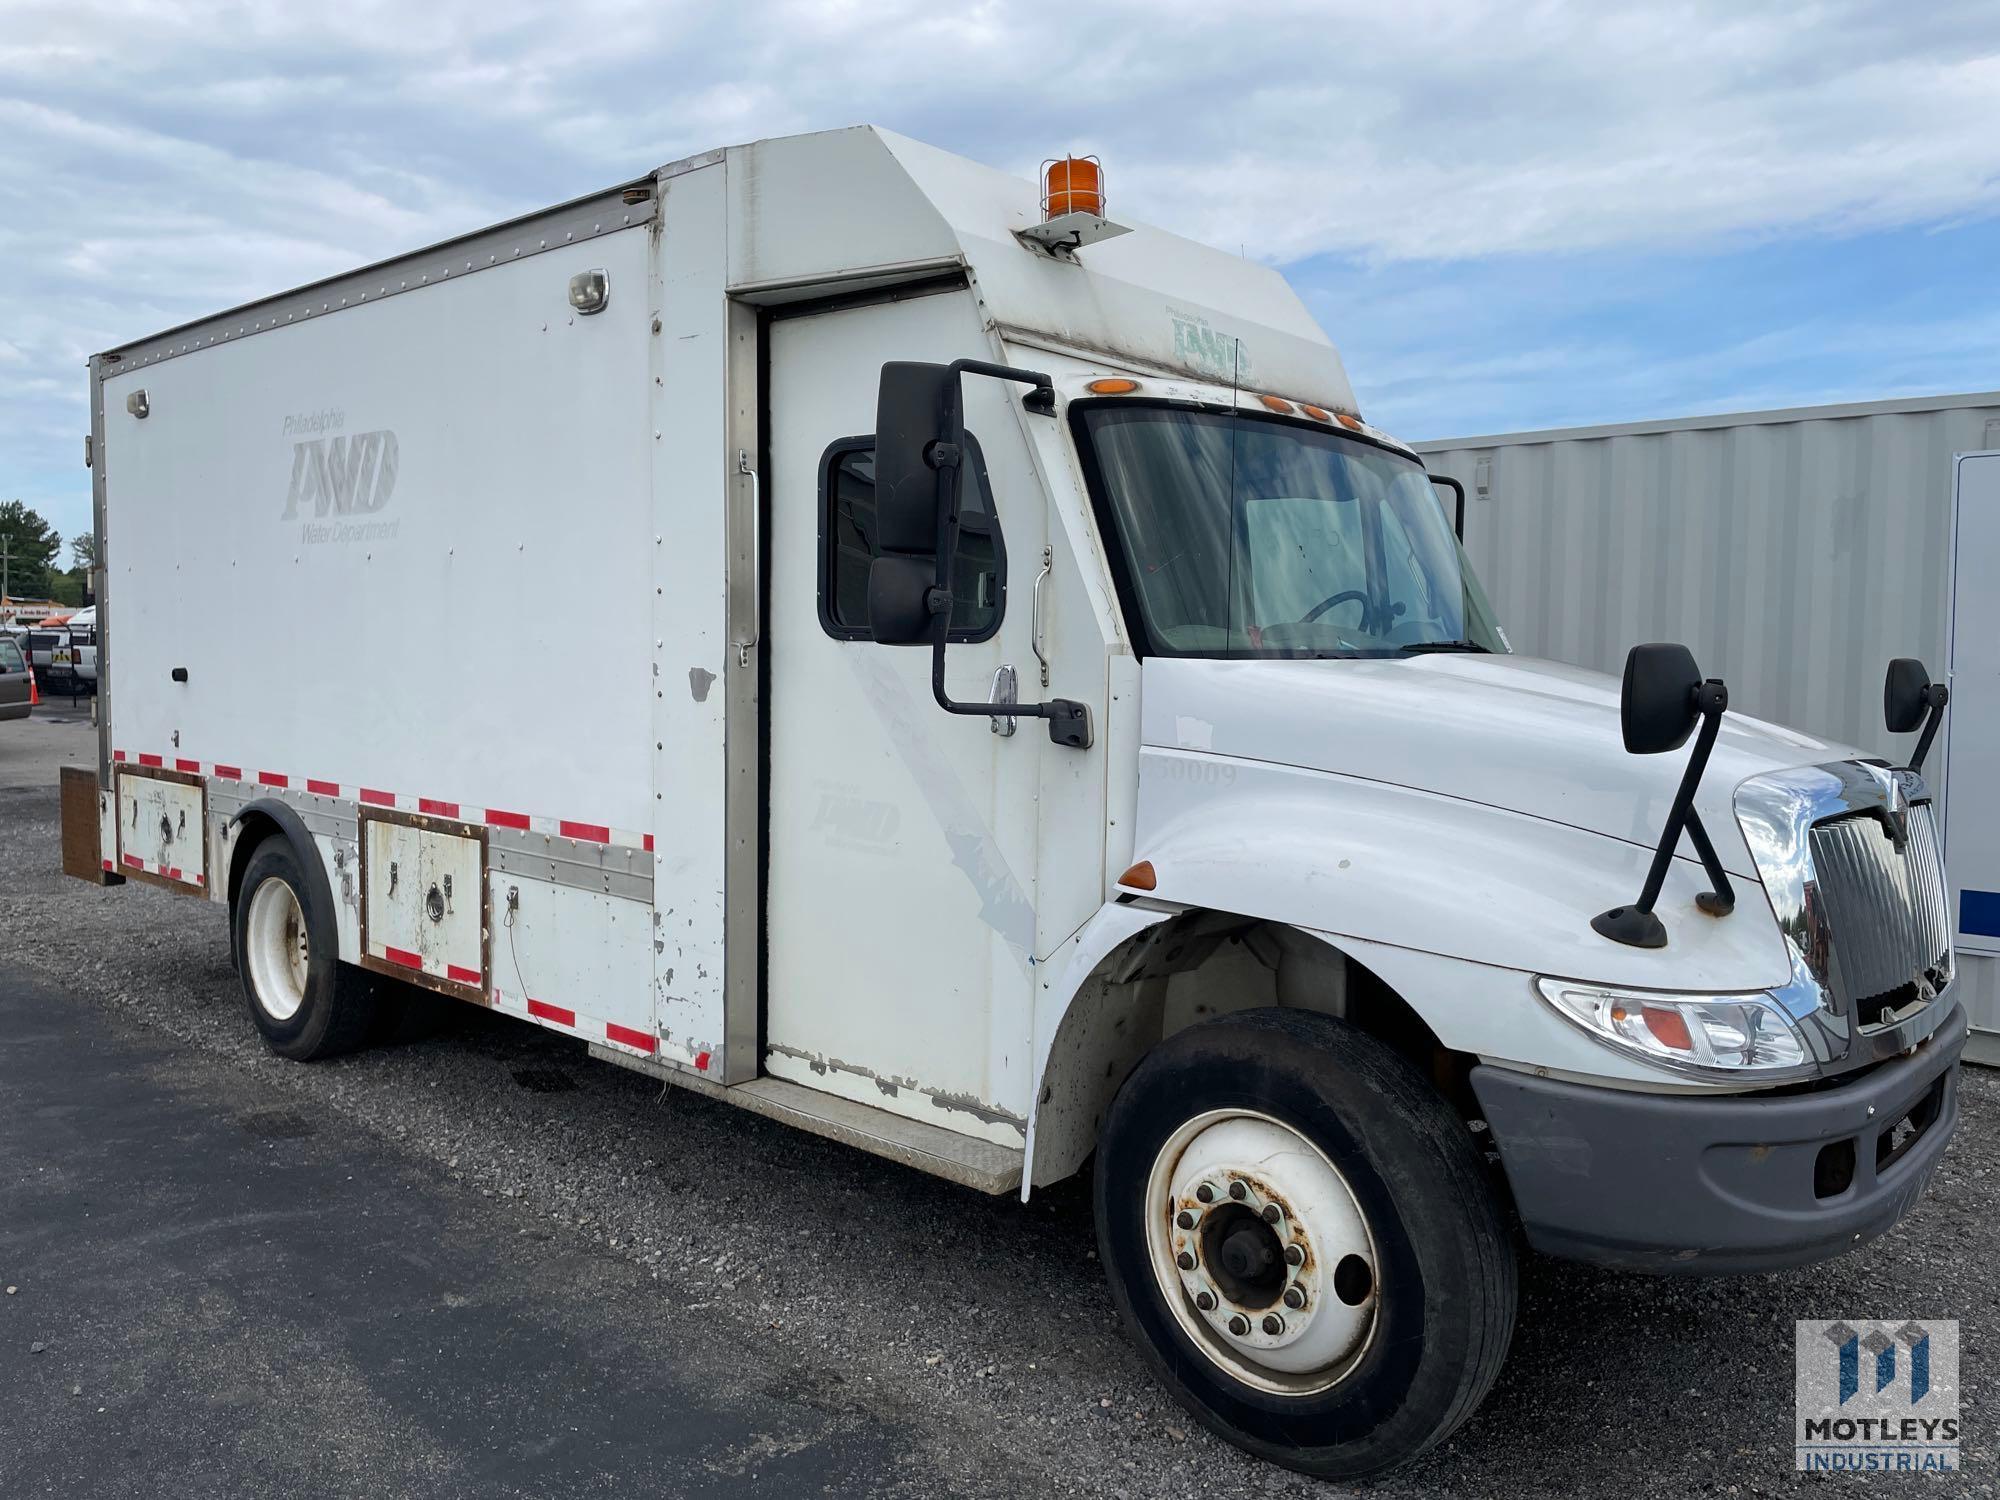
(1305, 1241)
(304, 1001)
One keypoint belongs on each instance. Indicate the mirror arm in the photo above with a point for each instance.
(1939, 696)
(1458, 508)
(1069, 721)
(1041, 400)
(1636, 925)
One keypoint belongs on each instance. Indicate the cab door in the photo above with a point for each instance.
(899, 899)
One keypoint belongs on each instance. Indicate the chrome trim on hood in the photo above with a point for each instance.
(1777, 812)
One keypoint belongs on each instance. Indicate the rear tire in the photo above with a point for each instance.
(305, 1002)
(1305, 1242)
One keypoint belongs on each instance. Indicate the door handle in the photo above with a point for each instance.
(1035, 616)
(1003, 691)
(746, 637)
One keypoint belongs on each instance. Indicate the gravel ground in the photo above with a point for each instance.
(982, 1317)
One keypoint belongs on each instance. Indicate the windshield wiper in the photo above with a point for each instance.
(1416, 647)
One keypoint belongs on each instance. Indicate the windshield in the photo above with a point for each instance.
(1245, 536)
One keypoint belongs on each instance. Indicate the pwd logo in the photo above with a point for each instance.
(344, 475)
(1877, 1395)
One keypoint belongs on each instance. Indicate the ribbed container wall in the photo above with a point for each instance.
(1795, 552)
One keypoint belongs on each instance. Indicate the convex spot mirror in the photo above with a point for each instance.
(1906, 695)
(1656, 705)
(913, 413)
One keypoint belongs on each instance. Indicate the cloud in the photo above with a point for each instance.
(164, 158)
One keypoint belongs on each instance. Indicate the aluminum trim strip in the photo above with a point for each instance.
(328, 817)
(558, 228)
(607, 869)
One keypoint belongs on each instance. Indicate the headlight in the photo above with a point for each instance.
(1707, 1033)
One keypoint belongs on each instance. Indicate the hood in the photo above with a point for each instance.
(1531, 736)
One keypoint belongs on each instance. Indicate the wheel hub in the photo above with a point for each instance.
(1245, 1256)
(1262, 1252)
(277, 950)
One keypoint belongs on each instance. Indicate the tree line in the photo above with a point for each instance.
(33, 550)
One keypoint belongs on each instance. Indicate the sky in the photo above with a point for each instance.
(1507, 216)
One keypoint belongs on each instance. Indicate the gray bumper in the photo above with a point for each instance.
(1677, 1183)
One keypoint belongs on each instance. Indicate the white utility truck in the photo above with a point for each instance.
(1032, 717)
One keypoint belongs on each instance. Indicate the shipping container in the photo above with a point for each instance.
(1795, 551)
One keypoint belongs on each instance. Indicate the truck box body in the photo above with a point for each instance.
(365, 485)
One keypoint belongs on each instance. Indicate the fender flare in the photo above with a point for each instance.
(288, 825)
(1058, 983)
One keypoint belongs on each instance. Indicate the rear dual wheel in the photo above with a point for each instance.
(304, 1001)
(1304, 1239)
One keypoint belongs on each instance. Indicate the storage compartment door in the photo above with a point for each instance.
(423, 909)
(163, 827)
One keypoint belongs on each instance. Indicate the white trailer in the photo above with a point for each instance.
(1032, 717)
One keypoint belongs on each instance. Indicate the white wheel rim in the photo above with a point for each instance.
(276, 948)
(1302, 1321)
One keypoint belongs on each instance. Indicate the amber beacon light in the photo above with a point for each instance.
(1072, 206)
(1073, 185)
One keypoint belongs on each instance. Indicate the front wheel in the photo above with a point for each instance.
(1305, 1241)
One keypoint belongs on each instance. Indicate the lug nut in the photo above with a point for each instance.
(1295, 1297)
(1205, 1193)
(1185, 1261)
(1271, 1214)
(1238, 1191)
(1205, 1301)
(1273, 1324)
(1185, 1218)
(1294, 1256)
(1239, 1325)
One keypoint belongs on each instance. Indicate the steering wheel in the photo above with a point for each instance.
(1343, 597)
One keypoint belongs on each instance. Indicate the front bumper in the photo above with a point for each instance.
(1678, 1183)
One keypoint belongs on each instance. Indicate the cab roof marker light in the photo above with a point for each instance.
(1277, 403)
(1112, 386)
(1317, 413)
(1348, 420)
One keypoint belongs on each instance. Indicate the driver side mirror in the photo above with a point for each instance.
(914, 408)
(919, 460)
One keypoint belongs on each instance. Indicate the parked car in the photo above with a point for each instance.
(62, 663)
(17, 684)
(83, 644)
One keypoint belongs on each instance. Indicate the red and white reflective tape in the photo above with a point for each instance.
(171, 872)
(562, 1018)
(403, 958)
(575, 829)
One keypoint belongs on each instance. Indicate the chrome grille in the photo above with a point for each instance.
(1884, 907)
